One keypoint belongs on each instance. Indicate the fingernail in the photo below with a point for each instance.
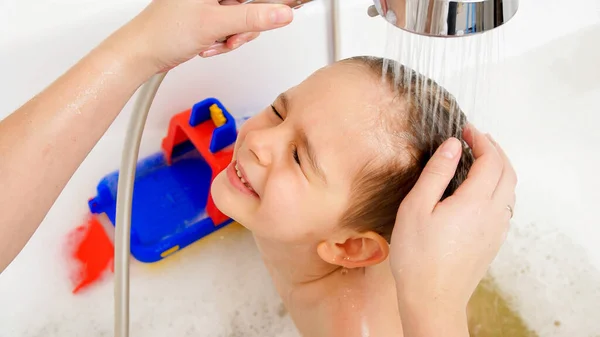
(236, 44)
(215, 45)
(450, 148)
(281, 15)
(209, 53)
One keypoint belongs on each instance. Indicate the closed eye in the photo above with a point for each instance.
(294, 149)
(295, 154)
(276, 112)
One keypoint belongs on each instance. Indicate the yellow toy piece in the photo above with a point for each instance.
(216, 114)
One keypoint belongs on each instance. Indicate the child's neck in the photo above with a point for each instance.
(326, 300)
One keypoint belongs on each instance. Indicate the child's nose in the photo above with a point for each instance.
(260, 144)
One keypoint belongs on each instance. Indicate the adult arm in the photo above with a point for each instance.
(45, 140)
(440, 251)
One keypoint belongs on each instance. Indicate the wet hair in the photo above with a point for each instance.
(423, 115)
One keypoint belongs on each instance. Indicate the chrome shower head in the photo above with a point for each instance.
(445, 18)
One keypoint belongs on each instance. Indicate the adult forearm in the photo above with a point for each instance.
(45, 141)
(427, 318)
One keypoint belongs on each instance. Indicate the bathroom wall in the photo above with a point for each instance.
(538, 98)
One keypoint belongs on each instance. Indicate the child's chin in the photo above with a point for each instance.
(222, 197)
(219, 194)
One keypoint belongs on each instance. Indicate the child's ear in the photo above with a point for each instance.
(359, 250)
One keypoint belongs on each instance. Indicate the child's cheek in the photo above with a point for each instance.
(284, 200)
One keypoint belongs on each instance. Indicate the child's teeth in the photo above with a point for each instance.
(237, 170)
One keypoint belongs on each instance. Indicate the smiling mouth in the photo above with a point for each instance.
(241, 176)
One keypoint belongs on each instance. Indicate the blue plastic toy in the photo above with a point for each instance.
(172, 205)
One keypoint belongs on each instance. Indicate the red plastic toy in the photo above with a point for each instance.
(93, 252)
(200, 135)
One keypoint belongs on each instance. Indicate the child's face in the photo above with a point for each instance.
(302, 166)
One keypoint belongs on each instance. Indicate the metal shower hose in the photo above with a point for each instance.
(124, 200)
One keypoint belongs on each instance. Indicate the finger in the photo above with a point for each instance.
(505, 191)
(238, 40)
(215, 49)
(485, 173)
(252, 36)
(252, 18)
(435, 177)
(229, 2)
(230, 44)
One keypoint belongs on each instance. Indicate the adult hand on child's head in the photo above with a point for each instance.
(169, 32)
(440, 251)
